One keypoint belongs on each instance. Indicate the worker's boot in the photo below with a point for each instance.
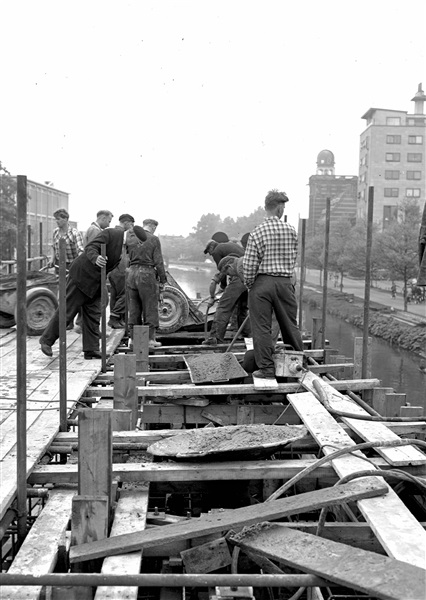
(210, 341)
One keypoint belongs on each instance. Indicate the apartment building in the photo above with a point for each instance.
(392, 160)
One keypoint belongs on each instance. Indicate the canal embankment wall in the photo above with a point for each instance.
(383, 323)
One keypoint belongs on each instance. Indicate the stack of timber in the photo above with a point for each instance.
(155, 492)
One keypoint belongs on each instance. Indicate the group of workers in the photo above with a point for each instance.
(133, 261)
(256, 278)
(260, 277)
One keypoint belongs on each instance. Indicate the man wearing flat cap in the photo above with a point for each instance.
(83, 290)
(231, 291)
(268, 267)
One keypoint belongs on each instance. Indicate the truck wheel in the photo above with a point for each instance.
(6, 320)
(174, 310)
(41, 305)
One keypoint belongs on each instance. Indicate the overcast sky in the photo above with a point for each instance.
(173, 109)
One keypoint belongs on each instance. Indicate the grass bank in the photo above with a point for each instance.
(382, 323)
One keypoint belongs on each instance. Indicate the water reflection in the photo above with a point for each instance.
(395, 368)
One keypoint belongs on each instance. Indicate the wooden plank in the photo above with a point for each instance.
(368, 430)
(125, 394)
(95, 455)
(396, 528)
(38, 553)
(150, 436)
(265, 384)
(226, 519)
(216, 471)
(173, 391)
(353, 568)
(130, 515)
(207, 557)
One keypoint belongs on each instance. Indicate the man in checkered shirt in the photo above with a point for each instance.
(73, 239)
(268, 267)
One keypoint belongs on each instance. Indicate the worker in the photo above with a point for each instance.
(268, 268)
(145, 281)
(74, 246)
(73, 239)
(231, 291)
(103, 220)
(83, 289)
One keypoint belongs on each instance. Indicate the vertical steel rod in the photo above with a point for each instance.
(21, 356)
(40, 242)
(104, 295)
(302, 272)
(325, 279)
(29, 249)
(367, 281)
(62, 336)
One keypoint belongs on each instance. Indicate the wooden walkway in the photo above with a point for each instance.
(42, 400)
(370, 516)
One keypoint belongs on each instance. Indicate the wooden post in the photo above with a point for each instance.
(302, 272)
(89, 523)
(21, 356)
(365, 352)
(359, 349)
(62, 336)
(141, 347)
(394, 403)
(104, 295)
(325, 280)
(316, 330)
(94, 452)
(379, 399)
(125, 391)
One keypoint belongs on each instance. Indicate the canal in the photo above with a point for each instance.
(394, 367)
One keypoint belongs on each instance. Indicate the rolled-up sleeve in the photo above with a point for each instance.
(250, 262)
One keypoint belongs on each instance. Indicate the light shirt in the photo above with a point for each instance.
(73, 240)
(271, 250)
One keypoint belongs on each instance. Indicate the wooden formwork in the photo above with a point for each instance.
(112, 511)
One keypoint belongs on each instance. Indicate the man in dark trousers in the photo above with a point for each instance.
(268, 266)
(145, 281)
(231, 291)
(83, 290)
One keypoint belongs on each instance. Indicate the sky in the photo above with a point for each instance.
(174, 109)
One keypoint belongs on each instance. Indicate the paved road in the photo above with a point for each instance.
(377, 294)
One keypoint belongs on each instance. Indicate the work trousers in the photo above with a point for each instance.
(90, 309)
(143, 298)
(117, 280)
(269, 294)
(235, 295)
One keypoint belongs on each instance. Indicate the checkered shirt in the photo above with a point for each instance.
(74, 244)
(271, 250)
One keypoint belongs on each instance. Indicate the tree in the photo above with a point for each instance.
(206, 227)
(398, 244)
(7, 214)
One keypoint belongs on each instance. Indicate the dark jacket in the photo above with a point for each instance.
(148, 254)
(85, 272)
(226, 249)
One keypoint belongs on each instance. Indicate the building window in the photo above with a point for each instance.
(393, 156)
(391, 192)
(419, 122)
(390, 215)
(393, 121)
(414, 157)
(417, 175)
(412, 192)
(415, 139)
(394, 139)
(391, 174)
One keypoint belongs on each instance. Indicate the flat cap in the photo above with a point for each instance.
(212, 243)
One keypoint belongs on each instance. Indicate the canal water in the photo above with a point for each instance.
(396, 368)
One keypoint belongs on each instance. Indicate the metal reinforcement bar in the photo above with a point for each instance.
(164, 580)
